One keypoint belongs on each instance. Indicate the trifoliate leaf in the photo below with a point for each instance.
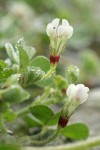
(32, 74)
(76, 131)
(14, 94)
(45, 82)
(30, 51)
(54, 120)
(32, 121)
(6, 73)
(42, 62)
(11, 53)
(42, 113)
(23, 56)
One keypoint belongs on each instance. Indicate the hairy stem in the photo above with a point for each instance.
(26, 110)
(40, 143)
(40, 134)
(83, 145)
(41, 98)
(51, 71)
(38, 100)
(23, 111)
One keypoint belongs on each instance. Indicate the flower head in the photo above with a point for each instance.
(77, 92)
(76, 95)
(55, 30)
(58, 34)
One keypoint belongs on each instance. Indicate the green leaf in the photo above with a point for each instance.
(42, 62)
(45, 82)
(76, 131)
(32, 74)
(14, 94)
(23, 56)
(2, 65)
(11, 53)
(30, 51)
(10, 115)
(42, 113)
(32, 121)
(54, 120)
(6, 73)
(13, 79)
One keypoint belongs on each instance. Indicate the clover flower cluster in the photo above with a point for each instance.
(76, 95)
(58, 35)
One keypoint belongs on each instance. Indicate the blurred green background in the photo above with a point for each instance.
(29, 18)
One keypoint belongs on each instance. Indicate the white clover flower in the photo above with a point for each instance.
(55, 30)
(58, 35)
(52, 28)
(77, 94)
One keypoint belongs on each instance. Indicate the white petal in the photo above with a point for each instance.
(82, 94)
(60, 30)
(55, 22)
(50, 31)
(86, 89)
(77, 92)
(71, 89)
(82, 97)
(65, 22)
(68, 32)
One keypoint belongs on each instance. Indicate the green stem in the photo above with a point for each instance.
(42, 97)
(83, 145)
(50, 101)
(23, 111)
(40, 135)
(26, 110)
(39, 100)
(2, 125)
(40, 143)
(51, 71)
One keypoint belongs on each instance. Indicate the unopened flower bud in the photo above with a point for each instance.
(72, 73)
(54, 59)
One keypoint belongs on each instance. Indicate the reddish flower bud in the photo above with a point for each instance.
(63, 121)
(54, 59)
(64, 91)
